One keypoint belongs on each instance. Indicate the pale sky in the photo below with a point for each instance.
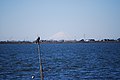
(59, 19)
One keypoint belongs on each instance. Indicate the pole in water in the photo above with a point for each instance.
(40, 58)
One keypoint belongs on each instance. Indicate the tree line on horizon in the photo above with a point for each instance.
(61, 41)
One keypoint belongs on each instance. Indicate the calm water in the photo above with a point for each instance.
(83, 61)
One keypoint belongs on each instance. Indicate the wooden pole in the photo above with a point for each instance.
(40, 60)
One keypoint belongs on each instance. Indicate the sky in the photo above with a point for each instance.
(59, 19)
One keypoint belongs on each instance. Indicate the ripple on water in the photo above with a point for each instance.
(86, 61)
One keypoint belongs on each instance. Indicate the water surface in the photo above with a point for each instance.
(81, 61)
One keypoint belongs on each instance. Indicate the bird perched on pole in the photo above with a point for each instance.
(38, 40)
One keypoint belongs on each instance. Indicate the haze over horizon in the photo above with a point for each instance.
(59, 19)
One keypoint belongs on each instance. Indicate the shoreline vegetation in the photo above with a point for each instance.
(63, 41)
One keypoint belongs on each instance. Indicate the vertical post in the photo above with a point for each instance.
(40, 61)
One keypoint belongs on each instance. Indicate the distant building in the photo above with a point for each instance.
(90, 40)
(106, 40)
(61, 41)
(82, 40)
(118, 39)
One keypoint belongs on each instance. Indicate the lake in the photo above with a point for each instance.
(70, 61)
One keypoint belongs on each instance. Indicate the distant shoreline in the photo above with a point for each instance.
(62, 41)
(28, 42)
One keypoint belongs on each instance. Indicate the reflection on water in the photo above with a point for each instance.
(99, 61)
